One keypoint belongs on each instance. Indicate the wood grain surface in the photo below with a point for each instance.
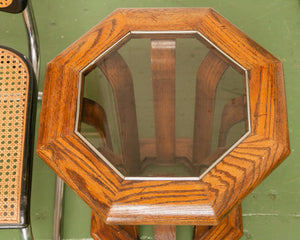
(163, 81)
(230, 227)
(197, 202)
(164, 232)
(102, 231)
(93, 114)
(209, 74)
(235, 111)
(119, 75)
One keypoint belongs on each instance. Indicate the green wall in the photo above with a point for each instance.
(271, 211)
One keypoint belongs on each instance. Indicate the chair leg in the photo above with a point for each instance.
(27, 233)
(58, 206)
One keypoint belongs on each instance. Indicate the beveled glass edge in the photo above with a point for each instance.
(147, 34)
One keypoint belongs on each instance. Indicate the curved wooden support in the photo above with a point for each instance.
(233, 112)
(164, 232)
(119, 76)
(93, 114)
(209, 74)
(163, 82)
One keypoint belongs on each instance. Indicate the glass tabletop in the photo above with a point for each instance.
(163, 105)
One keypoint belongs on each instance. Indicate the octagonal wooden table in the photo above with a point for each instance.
(113, 183)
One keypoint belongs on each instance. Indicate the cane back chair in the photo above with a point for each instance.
(18, 76)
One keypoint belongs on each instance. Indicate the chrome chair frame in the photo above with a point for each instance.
(58, 207)
(34, 58)
(33, 40)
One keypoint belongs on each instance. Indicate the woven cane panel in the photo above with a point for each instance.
(5, 3)
(13, 84)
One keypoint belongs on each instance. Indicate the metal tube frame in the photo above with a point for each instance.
(33, 41)
(26, 233)
(58, 206)
(34, 57)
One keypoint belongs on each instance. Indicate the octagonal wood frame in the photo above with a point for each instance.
(198, 202)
